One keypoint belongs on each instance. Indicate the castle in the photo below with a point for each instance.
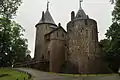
(74, 51)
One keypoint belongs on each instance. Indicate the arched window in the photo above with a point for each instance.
(86, 23)
(57, 33)
(93, 34)
(48, 55)
(86, 33)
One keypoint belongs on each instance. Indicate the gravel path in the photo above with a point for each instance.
(39, 75)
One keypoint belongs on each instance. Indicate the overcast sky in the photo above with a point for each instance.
(30, 12)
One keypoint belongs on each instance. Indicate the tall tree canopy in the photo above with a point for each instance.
(13, 45)
(8, 8)
(111, 45)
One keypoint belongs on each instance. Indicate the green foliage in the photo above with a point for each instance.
(111, 45)
(13, 46)
(113, 36)
(8, 8)
(12, 74)
(116, 12)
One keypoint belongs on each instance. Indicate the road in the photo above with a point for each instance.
(39, 75)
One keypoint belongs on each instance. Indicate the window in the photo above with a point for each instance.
(79, 16)
(62, 35)
(57, 33)
(93, 34)
(49, 55)
(70, 30)
(42, 57)
(86, 33)
(82, 29)
(86, 23)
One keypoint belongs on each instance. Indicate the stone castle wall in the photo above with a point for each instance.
(56, 50)
(83, 48)
(40, 44)
(78, 46)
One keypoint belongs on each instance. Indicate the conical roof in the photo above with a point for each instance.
(47, 18)
(81, 14)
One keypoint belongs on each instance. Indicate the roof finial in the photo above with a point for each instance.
(80, 4)
(48, 5)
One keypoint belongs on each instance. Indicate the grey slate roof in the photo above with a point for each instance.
(81, 14)
(60, 27)
(47, 18)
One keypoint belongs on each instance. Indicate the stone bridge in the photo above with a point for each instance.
(28, 63)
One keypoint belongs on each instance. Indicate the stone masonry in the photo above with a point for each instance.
(78, 46)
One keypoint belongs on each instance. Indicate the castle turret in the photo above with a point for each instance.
(45, 25)
(83, 50)
(56, 48)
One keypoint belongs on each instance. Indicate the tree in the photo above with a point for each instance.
(111, 45)
(116, 12)
(13, 45)
(8, 8)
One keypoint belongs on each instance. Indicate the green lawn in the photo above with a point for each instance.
(13, 75)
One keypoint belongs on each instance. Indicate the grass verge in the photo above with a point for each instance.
(13, 75)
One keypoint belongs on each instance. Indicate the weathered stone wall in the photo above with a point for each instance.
(40, 43)
(56, 50)
(83, 48)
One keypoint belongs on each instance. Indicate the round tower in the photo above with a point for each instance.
(45, 25)
(83, 48)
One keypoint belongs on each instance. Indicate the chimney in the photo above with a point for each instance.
(59, 24)
(72, 15)
(43, 16)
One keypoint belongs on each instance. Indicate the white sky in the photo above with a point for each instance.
(30, 12)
